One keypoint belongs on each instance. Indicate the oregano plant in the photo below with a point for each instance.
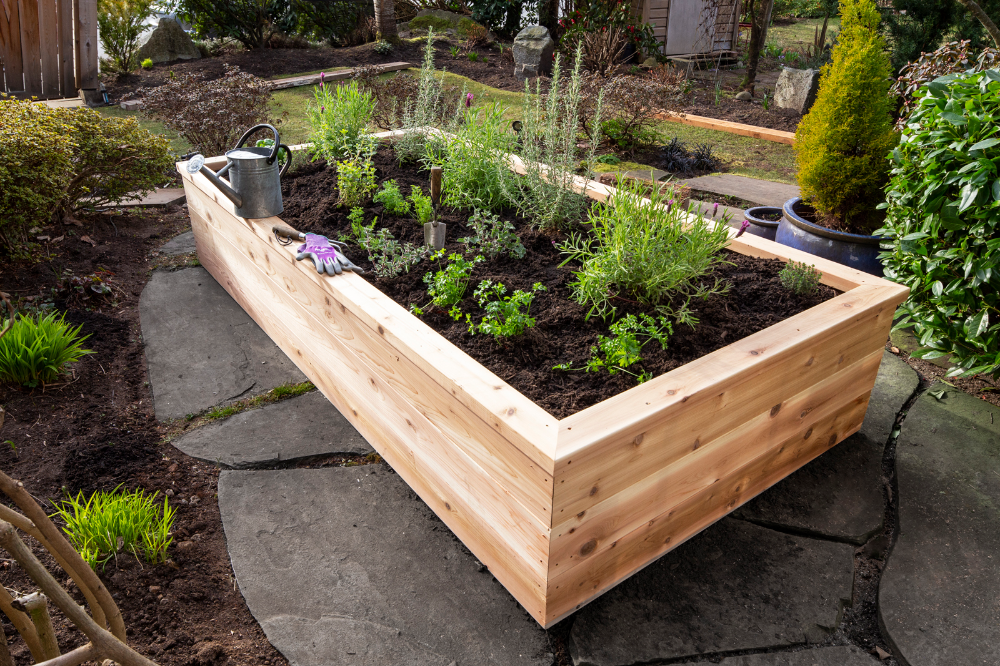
(942, 230)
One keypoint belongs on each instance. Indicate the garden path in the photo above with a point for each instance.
(346, 565)
(760, 192)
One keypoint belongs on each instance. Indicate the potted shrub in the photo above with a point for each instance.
(943, 202)
(841, 148)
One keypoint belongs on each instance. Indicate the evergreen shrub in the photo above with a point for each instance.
(842, 143)
(942, 229)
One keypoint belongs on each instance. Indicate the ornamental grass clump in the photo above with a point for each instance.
(108, 523)
(37, 350)
(842, 143)
(942, 230)
(652, 252)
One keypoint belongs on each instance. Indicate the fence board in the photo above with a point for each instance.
(67, 75)
(48, 41)
(10, 45)
(86, 44)
(30, 47)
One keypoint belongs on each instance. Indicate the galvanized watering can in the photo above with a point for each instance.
(254, 177)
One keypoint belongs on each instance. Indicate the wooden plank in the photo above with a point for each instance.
(10, 36)
(520, 421)
(48, 39)
(570, 591)
(86, 44)
(30, 47)
(663, 419)
(67, 70)
(589, 532)
(339, 75)
(459, 492)
(753, 131)
(528, 482)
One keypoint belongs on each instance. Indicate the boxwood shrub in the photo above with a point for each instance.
(942, 228)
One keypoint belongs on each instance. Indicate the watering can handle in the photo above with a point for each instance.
(288, 161)
(274, 150)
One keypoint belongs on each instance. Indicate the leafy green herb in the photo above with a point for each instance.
(355, 181)
(391, 198)
(623, 350)
(423, 205)
(389, 258)
(492, 236)
(506, 316)
(447, 286)
(800, 278)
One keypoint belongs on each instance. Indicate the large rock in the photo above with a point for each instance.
(796, 89)
(938, 598)
(533, 49)
(202, 349)
(347, 567)
(167, 42)
(300, 427)
(839, 495)
(735, 586)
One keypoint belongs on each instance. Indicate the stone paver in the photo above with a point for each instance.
(939, 594)
(159, 198)
(734, 586)
(182, 244)
(839, 495)
(346, 566)
(841, 655)
(202, 349)
(307, 425)
(761, 192)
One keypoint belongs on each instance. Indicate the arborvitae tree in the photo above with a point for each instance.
(842, 145)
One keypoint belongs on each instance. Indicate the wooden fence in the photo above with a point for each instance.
(48, 48)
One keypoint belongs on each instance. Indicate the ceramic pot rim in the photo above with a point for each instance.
(797, 220)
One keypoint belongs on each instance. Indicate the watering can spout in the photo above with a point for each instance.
(197, 165)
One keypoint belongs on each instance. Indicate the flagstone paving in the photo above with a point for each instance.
(940, 594)
(347, 565)
(182, 244)
(760, 192)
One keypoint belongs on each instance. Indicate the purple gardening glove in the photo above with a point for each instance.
(325, 256)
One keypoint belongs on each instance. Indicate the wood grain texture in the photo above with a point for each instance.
(30, 47)
(67, 70)
(48, 29)
(473, 506)
(529, 482)
(10, 45)
(85, 12)
(753, 131)
(582, 584)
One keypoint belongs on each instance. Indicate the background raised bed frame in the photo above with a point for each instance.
(561, 510)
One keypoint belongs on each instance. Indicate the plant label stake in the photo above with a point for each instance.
(435, 231)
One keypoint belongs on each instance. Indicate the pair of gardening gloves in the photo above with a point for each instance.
(328, 256)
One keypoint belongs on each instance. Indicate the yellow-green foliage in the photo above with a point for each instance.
(34, 167)
(842, 144)
(56, 161)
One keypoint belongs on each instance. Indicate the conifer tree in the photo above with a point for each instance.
(842, 144)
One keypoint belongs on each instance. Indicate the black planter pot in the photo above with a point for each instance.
(854, 250)
(758, 225)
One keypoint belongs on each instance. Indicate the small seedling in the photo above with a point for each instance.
(455, 51)
(623, 350)
(13, 446)
(485, 59)
(357, 219)
(718, 93)
(506, 316)
(382, 47)
(423, 206)
(388, 256)
(493, 237)
(800, 278)
(147, 63)
(390, 197)
(473, 56)
(766, 101)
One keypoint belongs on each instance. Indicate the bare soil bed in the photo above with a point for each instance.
(562, 334)
(97, 430)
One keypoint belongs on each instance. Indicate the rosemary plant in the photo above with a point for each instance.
(421, 114)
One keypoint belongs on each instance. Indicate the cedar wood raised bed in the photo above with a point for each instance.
(561, 510)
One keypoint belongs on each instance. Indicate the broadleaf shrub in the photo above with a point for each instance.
(841, 144)
(942, 229)
(36, 350)
(120, 23)
(591, 15)
(250, 22)
(212, 115)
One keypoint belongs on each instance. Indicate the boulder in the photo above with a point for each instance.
(533, 49)
(745, 96)
(167, 42)
(443, 22)
(796, 89)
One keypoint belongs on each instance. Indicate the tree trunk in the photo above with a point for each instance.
(988, 23)
(760, 17)
(385, 20)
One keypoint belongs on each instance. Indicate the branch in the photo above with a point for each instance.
(10, 324)
(22, 623)
(987, 22)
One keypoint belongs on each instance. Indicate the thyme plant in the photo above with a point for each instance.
(653, 252)
(800, 278)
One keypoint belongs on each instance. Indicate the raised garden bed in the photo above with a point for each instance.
(561, 510)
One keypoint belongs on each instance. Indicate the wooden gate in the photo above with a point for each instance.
(48, 48)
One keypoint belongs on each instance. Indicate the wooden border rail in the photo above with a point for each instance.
(561, 510)
(778, 136)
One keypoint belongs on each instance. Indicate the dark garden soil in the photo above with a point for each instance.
(562, 334)
(97, 430)
(496, 73)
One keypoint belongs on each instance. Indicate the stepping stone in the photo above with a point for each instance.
(761, 192)
(202, 349)
(347, 567)
(300, 427)
(842, 655)
(938, 595)
(839, 495)
(159, 198)
(735, 586)
(183, 244)
(644, 174)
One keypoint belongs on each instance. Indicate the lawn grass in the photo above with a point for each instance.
(743, 155)
(178, 144)
(801, 33)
